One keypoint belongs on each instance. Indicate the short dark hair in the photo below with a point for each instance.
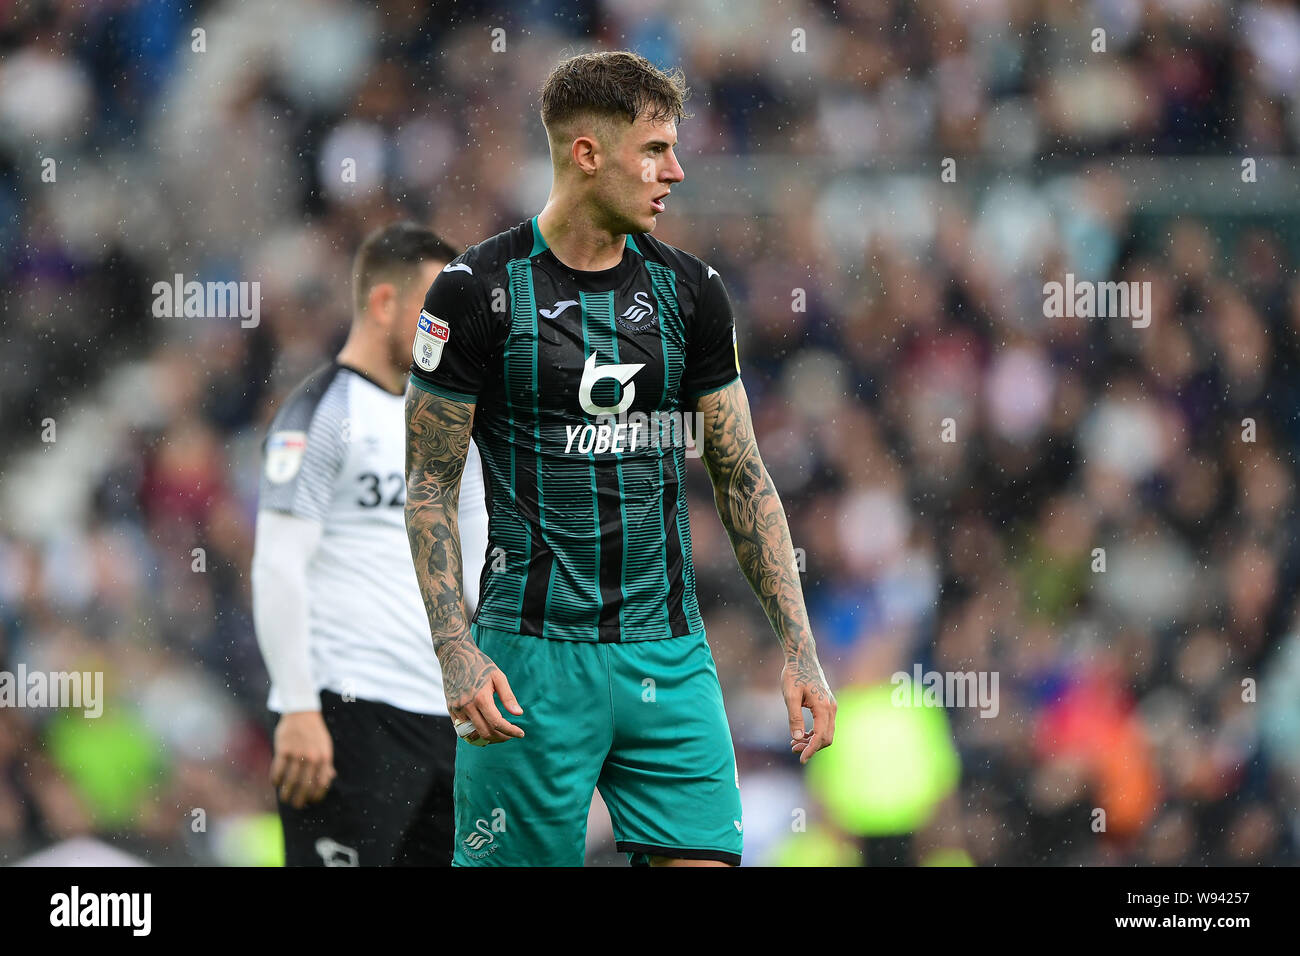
(613, 84)
(392, 253)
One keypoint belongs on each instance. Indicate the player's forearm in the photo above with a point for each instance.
(760, 537)
(437, 442)
(282, 550)
(754, 518)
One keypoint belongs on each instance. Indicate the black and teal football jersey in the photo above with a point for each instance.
(584, 385)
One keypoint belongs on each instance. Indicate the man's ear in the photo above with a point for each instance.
(583, 152)
(381, 303)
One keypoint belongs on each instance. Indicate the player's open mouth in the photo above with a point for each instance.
(658, 204)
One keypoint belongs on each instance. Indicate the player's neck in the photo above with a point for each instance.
(576, 240)
(370, 359)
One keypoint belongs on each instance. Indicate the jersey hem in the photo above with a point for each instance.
(424, 386)
(477, 630)
(374, 700)
(406, 705)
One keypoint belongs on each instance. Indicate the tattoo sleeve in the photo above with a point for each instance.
(437, 441)
(755, 521)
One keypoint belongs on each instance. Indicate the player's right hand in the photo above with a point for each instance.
(303, 767)
(470, 681)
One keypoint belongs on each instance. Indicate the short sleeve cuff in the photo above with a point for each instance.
(717, 388)
(442, 392)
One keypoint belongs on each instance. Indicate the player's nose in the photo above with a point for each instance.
(672, 171)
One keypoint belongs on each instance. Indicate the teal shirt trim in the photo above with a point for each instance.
(539, 241)
(424, 386)
(710, 391)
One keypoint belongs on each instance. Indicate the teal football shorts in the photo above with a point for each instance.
(643, 721)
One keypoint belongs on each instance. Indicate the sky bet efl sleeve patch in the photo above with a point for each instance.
(284, 451)
(430, 336)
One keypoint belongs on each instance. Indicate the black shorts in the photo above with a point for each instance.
(391, 800)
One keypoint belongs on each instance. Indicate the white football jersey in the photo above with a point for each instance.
(336, 453)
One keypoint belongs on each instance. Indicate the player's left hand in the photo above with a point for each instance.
(804, 685)
(302, 768)
(471, 682)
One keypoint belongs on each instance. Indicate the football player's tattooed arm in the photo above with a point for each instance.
(751, 512)
(437, 442)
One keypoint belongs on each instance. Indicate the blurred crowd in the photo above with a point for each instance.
(1101, 514)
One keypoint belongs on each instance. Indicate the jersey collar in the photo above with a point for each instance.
(356, 371)
(539, 243)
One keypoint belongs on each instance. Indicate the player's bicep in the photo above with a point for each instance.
(727, 435)
(437, 442)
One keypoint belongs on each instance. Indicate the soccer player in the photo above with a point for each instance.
(364, 749)
(553, 343)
